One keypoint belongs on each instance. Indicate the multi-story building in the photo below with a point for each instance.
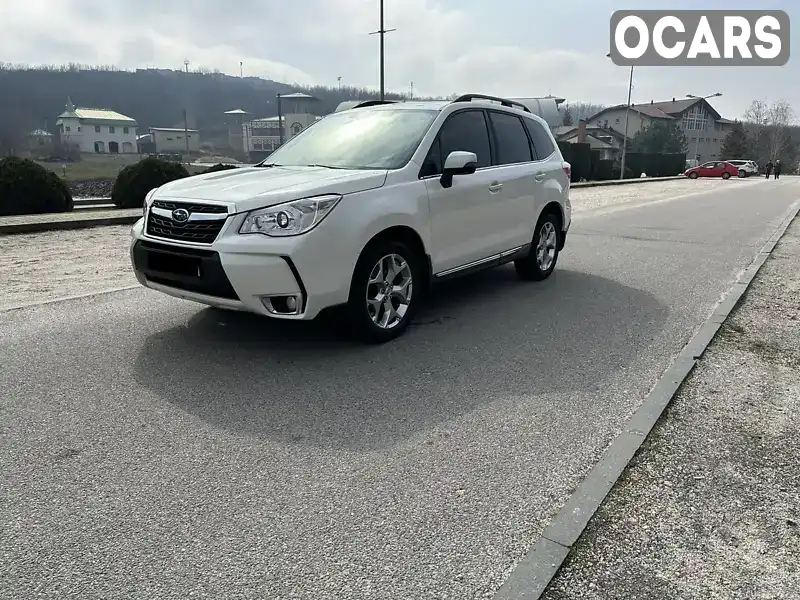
(705, 129)
(260, 137)
(96, 130)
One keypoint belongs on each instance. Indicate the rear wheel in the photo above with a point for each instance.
(726, 175)
(543, 255)
(692, 175)
(742, 173)
(383, 294)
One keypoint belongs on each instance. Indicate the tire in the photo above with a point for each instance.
(742, 173)
(692, 175)
(367, 319)
(726, 175)
(543, 255)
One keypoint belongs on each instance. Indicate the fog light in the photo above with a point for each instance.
(281, 305)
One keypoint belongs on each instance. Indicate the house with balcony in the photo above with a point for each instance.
(260, 137)
(605, 140)
(705, 129)
(96, 130)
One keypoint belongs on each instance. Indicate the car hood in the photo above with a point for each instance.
(256, 187)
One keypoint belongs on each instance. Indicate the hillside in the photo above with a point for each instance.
(33, 97)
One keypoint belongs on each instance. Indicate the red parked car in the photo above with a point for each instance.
(715, 168)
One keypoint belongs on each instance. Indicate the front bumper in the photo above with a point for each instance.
(249, 273)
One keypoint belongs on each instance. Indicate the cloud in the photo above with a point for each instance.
(443, 46)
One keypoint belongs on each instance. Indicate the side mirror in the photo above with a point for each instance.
(458, 163)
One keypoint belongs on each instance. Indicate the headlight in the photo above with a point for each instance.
(147, 200)
(291, 218)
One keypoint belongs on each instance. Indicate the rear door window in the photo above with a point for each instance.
(513, 145)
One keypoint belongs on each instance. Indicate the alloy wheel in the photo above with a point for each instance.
(546, 246)
(389, 291)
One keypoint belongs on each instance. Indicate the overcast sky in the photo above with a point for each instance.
(505, 47)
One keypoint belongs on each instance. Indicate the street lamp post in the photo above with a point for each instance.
(697, 136)
(627, 114)
(625, 139)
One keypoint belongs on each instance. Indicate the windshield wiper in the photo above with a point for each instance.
(326, 166)
(266, 165)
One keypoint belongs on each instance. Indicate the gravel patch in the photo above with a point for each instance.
(91, 188)
(710, 507)
(52, 265)
(56, 264)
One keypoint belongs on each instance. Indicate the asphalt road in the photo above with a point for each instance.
(151, 448)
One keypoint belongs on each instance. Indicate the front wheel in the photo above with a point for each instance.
(726, 175)
(692, 175)
(383, 292)
(543, 255)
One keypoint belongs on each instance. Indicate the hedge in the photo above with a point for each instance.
(218, 167)
(656, 165)
(587, 164)
(27, 188)
(134, 182)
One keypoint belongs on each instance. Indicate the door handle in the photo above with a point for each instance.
(539, 177)
(495, 187)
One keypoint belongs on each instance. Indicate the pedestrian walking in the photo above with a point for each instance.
(777, 168)
(768, 168)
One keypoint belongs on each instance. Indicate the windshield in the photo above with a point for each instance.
(358, 139)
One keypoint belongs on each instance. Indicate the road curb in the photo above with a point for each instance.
(36, 226)
(584, 184)
(531, 577)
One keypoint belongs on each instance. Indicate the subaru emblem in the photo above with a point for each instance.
(180, 215)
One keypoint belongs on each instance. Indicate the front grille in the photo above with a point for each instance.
(215, 209)
(160, 222)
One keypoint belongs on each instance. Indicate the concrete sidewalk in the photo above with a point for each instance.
(710, 505)
(88, 215)
(76, 219)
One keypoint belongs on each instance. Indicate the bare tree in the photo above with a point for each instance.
(770, 128)
(781, 118)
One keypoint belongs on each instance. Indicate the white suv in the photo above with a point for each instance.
(364, 210)
(745, 167)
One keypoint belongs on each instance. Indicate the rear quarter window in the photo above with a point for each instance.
(542, 143)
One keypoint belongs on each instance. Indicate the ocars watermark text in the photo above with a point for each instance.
(700, 37)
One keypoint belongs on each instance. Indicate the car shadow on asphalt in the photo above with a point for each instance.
(479, 338)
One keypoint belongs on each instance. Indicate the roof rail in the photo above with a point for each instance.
(374, 103)
(350, 104)
(503, 101)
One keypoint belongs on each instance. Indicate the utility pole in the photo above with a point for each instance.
(240, 69)
(280, 121)
(339, 80)
(411, 93)
(185, 116)
(382, 31)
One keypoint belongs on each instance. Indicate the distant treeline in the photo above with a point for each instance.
(33, 96)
